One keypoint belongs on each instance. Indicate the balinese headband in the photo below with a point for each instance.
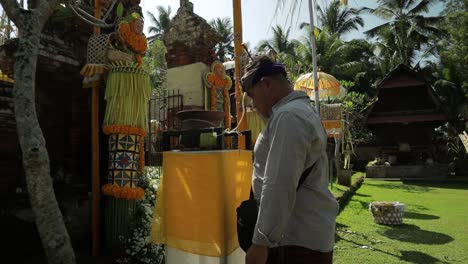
(256, 75)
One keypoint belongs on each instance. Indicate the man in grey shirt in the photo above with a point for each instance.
(293, 226)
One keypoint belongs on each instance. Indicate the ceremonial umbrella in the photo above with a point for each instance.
(328, 86)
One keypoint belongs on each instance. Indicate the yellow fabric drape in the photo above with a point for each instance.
(255, 124)
(197, 200)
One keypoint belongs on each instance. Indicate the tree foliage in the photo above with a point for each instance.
(225, 49)
(452, 74)
(280, 42)
(406, 32)
(155, 63)
(159, 24)
(338, 19)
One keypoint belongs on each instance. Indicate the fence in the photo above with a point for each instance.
(162, 116)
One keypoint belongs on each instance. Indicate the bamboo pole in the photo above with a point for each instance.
(238, 51)
(314, 54)
(95, 182)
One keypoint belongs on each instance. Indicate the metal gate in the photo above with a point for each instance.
(162, 117)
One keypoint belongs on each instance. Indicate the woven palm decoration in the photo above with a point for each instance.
(127, 94)
(126, 119)
(96, 60)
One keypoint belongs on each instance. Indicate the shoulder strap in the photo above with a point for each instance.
(301, 181)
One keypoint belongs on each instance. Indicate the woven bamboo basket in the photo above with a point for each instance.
(97, 48)
(387, 213)
(331, 112)
(115, 55)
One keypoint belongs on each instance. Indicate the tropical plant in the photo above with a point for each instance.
(355, 106)
(160, 24)
(155, 63)
(329, 56)
(224, 49)
(406, 32)
(280, 42)
(139, 248)
(454, 48)
(450, 74)
(338, 19)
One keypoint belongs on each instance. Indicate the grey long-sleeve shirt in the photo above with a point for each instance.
(293, 140)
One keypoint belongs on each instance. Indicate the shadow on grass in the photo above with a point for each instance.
(362, 195)
(414, 234)
(419, 207)
(340, 226)
(338, 238)
(405, 187)
(419, 216)
(365, 205)
(419, 258)
(441, 185)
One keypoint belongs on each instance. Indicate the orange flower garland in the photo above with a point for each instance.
(218, 79)
(136, 42)
(122, 129)
(123, 192)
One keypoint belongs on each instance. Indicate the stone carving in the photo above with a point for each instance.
(190, 38)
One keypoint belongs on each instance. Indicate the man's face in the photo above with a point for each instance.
(260, 95)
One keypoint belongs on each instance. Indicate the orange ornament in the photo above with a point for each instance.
(217, 79)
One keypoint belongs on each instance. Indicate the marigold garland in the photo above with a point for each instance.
(122, 129)
(123, 192)
(136, 42)
(218, 79)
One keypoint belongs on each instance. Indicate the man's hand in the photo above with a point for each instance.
(256, 255)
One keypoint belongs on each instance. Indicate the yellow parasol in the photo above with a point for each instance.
(328, 85)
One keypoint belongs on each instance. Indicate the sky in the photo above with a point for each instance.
(258, 16)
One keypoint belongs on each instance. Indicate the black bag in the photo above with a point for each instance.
(247, 214)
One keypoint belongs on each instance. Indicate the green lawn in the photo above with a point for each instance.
(435, 228)
(338, 189)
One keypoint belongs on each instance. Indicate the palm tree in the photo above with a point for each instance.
(225, 49)
(407, 30)
(161, 24)
(339, 20)
(279, 43)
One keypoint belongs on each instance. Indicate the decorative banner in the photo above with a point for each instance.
(334, 128)
(124, 167)
(126, 119)
(332, 119)
(124, 154)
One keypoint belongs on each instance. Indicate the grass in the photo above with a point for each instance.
(338, 189)
(435, 228)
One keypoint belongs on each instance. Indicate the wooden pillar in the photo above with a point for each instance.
(95, 181)
(238, 51)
